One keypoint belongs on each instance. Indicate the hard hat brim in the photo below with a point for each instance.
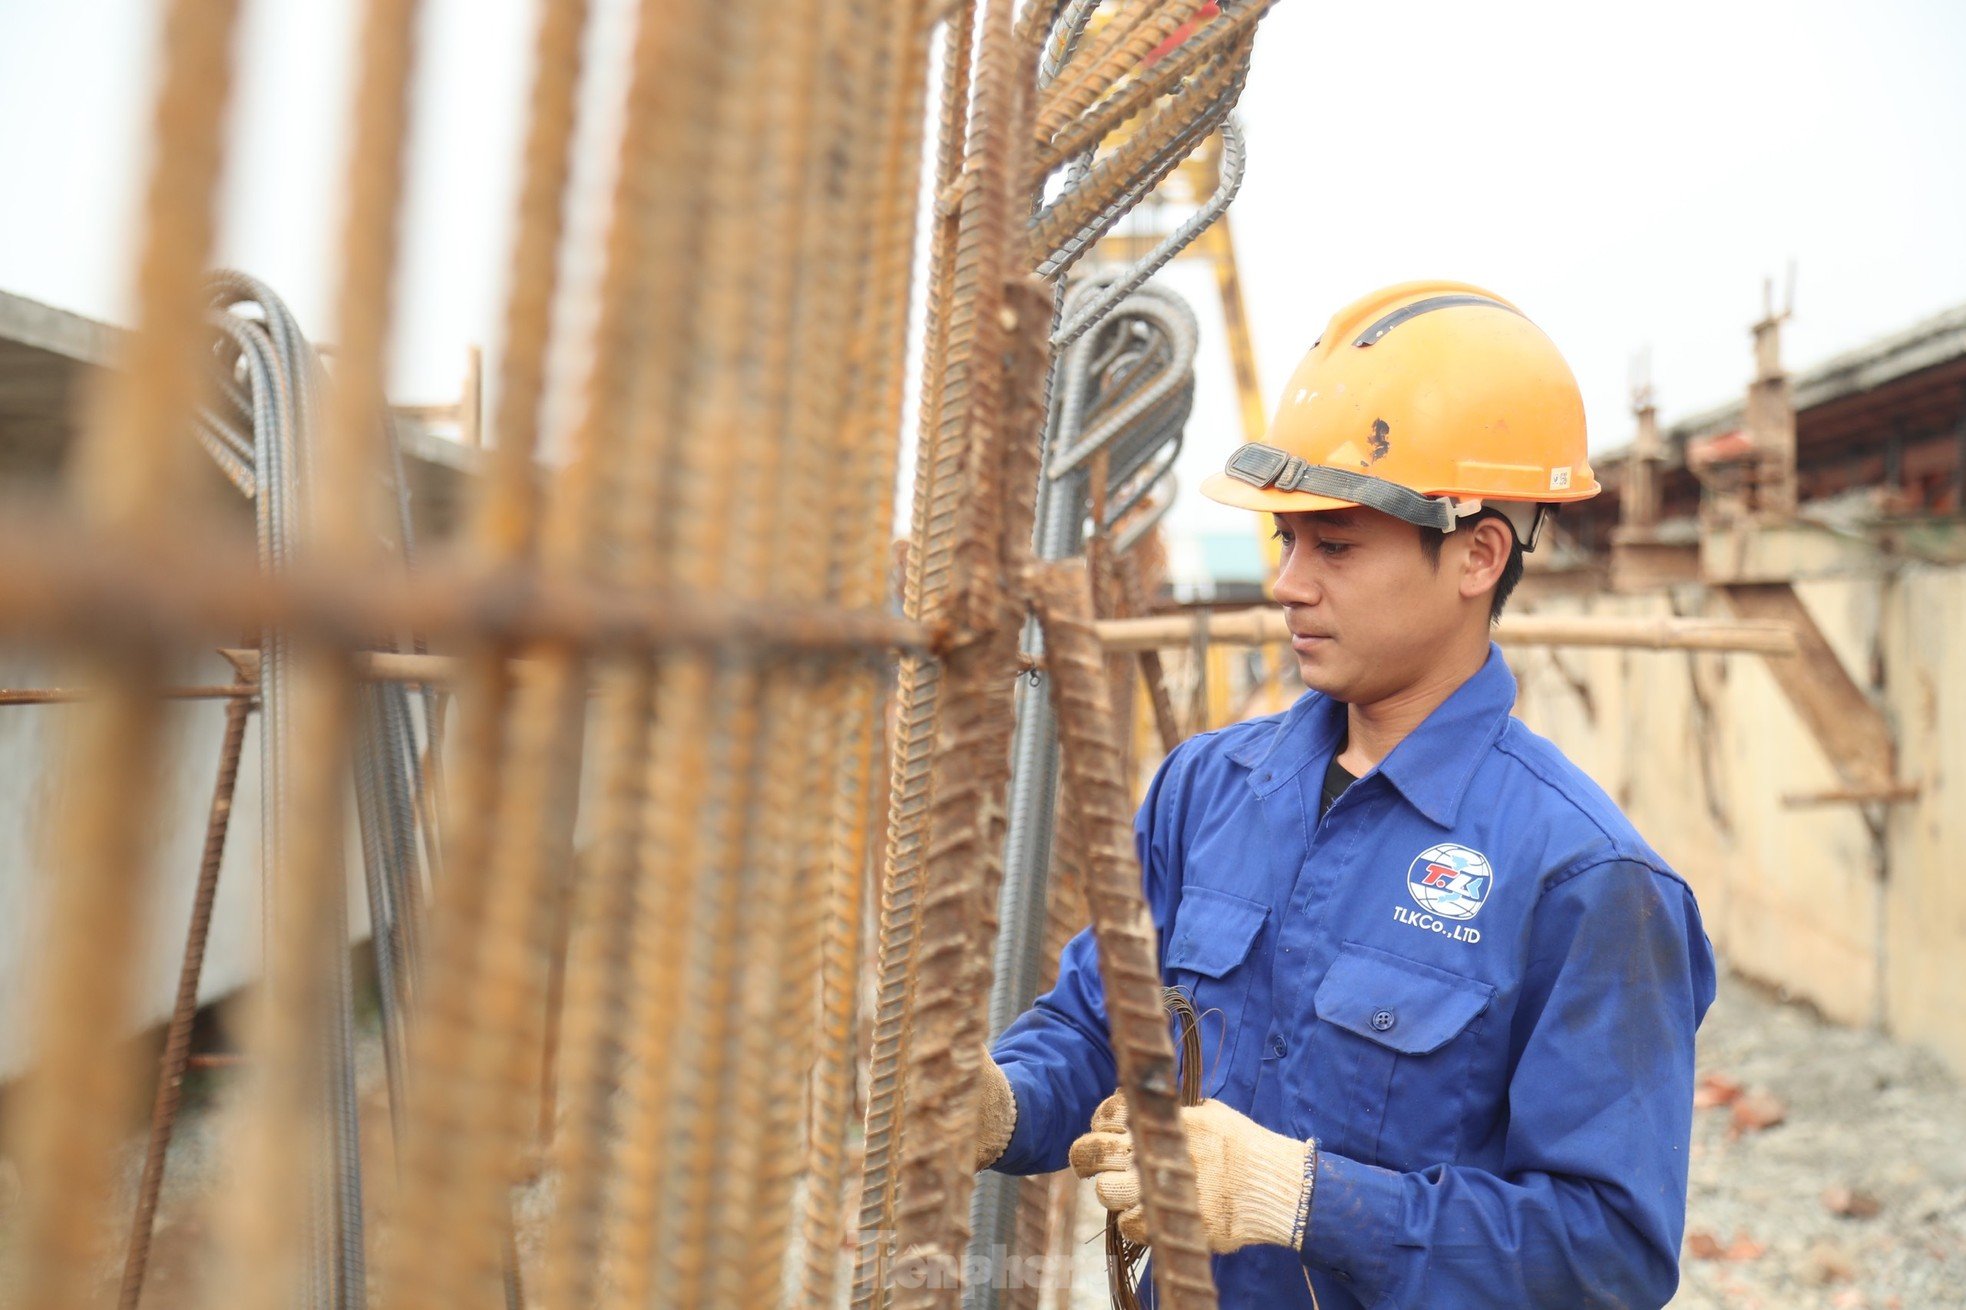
(1225, 490)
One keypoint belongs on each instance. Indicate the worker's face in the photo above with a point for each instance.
(1371, 615)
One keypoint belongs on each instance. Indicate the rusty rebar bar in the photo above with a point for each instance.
(130, 472)
(987, 501)
(69, 695)
(897, 90)
(1125, 935)
(616, 1041)
(1120, 178)
(917, 694)
(794, 344)
(302, 1028)
(842, 455)
(1108, 55)
(171, 1065)
(62, 585)
(1108, 116)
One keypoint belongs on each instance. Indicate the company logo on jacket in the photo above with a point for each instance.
(1451, 881)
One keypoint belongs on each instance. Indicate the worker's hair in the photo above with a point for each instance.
(1432, 539)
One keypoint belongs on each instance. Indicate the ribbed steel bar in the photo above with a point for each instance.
(787, 422)
(172, 1064)
(1231, 173)
(504, 512)
(1107, 379)
(307, 999)
(820, 734)
(1125, 935)
(1119, 179)
(1111, 54)
(1135, 95)
(897, 87)
(1068, 916)
(1044, 1224)
(493, 1012)
(980, 431)
(626, 935)
(917, 694)
(672, 1230)
(131, 471)
(67, 695)
(63, 585)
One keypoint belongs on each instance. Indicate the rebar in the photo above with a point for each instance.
(129, 472)
(661, 976)
(1125, 935)
(919, 687)
(1141, 351)
(311, 1091)
(171, 1065)
(874, 417)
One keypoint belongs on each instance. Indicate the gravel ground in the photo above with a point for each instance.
(1870, 1124)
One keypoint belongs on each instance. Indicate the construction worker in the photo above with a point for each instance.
(1449, 993)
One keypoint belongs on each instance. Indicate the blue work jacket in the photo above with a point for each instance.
(1472, 983)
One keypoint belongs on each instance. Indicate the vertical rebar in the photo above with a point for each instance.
(303, 1032)
(130, 474)
(874, 416)
(1125, 935)
(987, 506)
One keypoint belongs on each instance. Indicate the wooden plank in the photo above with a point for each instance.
(1839, 714)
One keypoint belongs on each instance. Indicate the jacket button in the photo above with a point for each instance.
(1277, 1047)
(1383, 1019)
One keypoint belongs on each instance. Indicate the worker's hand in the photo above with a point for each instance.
(1252, 1182)
(996, 1113)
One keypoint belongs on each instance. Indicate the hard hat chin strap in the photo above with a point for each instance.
(1266, 466)
(1526, 517)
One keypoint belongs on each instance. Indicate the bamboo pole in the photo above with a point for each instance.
(1263, 626)
(1250, 627)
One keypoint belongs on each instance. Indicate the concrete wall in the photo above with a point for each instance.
(30, 739)
(1867, 924)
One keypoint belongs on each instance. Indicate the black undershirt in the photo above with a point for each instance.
(1336, 779)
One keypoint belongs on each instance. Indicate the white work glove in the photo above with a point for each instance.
(996, 1113)
(1254, 1185)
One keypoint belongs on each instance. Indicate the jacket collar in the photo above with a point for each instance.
(1431, 768)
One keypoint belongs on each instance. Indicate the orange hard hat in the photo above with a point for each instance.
(1429, 401)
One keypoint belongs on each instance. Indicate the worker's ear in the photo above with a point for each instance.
(1487, 546)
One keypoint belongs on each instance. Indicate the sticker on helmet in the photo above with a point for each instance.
(1560, 478)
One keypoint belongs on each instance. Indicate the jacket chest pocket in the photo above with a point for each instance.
(1391, 1057)
(1214, 937)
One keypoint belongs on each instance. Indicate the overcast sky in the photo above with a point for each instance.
(1627, 173)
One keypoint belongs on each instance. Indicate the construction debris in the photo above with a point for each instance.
(1876, 1120)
